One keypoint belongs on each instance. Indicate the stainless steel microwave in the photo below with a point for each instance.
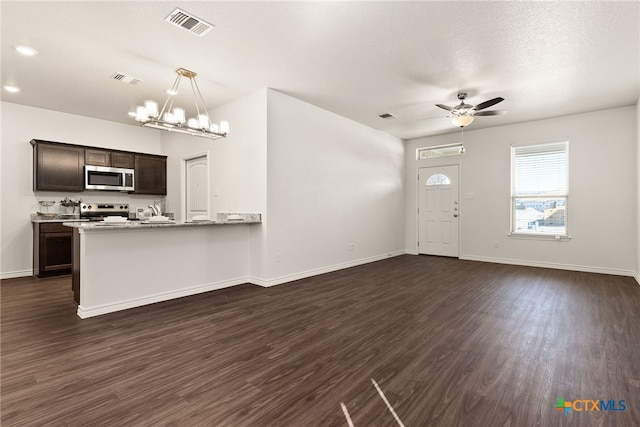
(108, 178)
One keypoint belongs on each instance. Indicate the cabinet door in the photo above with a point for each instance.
(58, 167)
(55, 252)
(52, 249)
(151, 174)
(97, 157)
(122, 160)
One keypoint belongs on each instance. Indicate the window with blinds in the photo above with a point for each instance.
(540, 189)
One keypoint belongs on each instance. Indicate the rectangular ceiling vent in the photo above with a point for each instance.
(125, 79)
(189, 22)
(387, 116)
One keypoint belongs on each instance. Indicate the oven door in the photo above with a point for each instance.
(106, 178)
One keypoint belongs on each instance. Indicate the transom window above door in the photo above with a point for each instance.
(440, 151)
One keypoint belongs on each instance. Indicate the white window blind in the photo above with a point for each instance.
(540, 175)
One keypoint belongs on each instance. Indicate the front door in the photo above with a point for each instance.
(438, 210)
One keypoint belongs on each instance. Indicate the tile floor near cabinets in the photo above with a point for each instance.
(448, 342)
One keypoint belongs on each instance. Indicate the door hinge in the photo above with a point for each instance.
(418, 244)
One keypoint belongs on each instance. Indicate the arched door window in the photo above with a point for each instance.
(438, 179)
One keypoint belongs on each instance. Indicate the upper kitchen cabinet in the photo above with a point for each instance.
(150, 174)
(57, 167)
(101, 157)
(122, 160)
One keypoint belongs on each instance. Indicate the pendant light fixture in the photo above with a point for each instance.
(175, 120)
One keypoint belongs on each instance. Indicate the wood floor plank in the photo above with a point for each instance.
(450, 343)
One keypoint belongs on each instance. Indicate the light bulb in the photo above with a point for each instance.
(203, 120)
(169, 118)
(152, 108)
(179, 114)
(141, 114)
(193, 123)
(214, 128)
(224, 127)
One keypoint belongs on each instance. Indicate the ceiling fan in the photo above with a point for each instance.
(463, 114)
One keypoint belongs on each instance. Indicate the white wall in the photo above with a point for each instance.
(21, 124)
(237, 170)
(602, 180)
(237, 164)
(331, 182)
(638, 191)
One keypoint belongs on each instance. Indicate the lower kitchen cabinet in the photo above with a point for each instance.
(52, 249)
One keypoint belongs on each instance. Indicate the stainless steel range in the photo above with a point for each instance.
(98, 211)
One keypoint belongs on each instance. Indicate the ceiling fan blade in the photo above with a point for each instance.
(444, 107)
(435, 117)
(489, 103)
(490, 113)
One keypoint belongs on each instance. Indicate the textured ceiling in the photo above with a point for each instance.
(357, 59)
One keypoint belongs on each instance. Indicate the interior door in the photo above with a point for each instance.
(197, 191)
(438, 210)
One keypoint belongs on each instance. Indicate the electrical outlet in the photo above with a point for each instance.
(351, 246)
(495, 243)
(277, 256)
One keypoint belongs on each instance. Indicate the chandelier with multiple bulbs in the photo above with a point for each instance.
(174, 119)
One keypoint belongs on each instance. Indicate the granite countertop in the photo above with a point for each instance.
(222, 219)
(56, 218)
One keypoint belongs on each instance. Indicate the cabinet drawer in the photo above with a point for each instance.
(54, 227)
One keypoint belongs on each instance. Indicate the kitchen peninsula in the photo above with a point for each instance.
(122, 265)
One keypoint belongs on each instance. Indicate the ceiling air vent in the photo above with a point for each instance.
(387, 116)
(125, 79)
(189, 22)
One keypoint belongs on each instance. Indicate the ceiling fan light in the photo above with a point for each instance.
(462, 121)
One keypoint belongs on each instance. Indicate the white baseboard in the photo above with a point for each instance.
(637, 277)
(309, 273)
(572, 267)
(16, 274)
(411, 252)
(85, 312)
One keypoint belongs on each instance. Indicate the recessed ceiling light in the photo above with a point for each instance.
(171, 91)
(11, 89)
(26, 50)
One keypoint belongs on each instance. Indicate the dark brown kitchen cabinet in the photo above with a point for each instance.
(150, 174)
(122, 160)
(101, 157)
(60, 167)
(57, 167)
(97, 157)
(52, 249)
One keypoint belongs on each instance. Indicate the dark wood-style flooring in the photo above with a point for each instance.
(449, 342)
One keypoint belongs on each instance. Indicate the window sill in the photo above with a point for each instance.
(533, 236)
